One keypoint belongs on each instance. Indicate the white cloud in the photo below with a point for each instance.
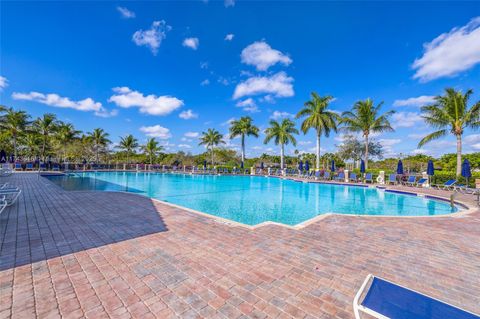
(248, 105)
(153, 37)
(419, 151)
(276, 115)
(476, 146)
(405, 119)
(278, 85)
(191, 134)
(149, 104)
(127, 14)
(188, 114)
(156, 131)
(472, 139)
(262, 56)
(3, 82)
(229, 37)
(204, 65)
(228, 122)
(56, 100)
(388, 144)
(415, 101)
(450, 53)
(205, 82)
(417, 135)
(223, 80)
(191, 43)
(304, 142)
(229, 3)
(184, 146)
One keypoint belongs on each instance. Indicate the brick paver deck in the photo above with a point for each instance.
(95, 255)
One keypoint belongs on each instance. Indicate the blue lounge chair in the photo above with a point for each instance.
(369, 178)
(421, 182)
(18, 166)
(354, 178)
(392, 178)
(317, 175)
(326, 175)
(340, 177)
(448, 185)
(29, 167)
(385, 299)
(411, 180)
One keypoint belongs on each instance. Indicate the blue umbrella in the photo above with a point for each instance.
(204, 164)
(300, 166)
(241, 165)
(362, 166)
(332, 168)
(3, 156)
(261, 165)
(307, 166)
(400, 167)
(466, 171)
(430, 168)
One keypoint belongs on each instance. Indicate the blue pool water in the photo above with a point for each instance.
(255, 199)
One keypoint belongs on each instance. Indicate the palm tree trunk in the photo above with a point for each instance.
(243, 148)
(14, 147)
(96, 154)
(459, 154)
(281, 157)
(366, 151)
(212, 155)
(318, 151)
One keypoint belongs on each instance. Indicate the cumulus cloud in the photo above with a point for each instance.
(184, 146)
(415, 101)
(3, 82)
(205, 82)
(472, 139)
(153, 37)
(157, 131)
(450, 53)
(191, 134)
(188, 114)
(191, 43)
(262, 56)
(276, 115)
(149, 104)
(229, 37)
(419, 151)
(248, 105)
(127, 14)
(56, 100)
(405, 119)
(278, 85)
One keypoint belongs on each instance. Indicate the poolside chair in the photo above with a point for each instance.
(18, 166)
(411, 180)
(385, 299)
(340, 177)
(55, 167)
(421, 182)
(3, 204)
(354, 178)
(4, 172)
(316, 175)
(10, 194)
(326, 175)
(448, 185)
(369, 178)
(29, 167)
(392, 178)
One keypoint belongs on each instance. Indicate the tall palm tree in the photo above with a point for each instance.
(319, 118)
(450, 114)
(45, 126)
(31, 141)
(99, 138)
(128, 144)
(243, 127)
(282, 133)
(151, 149)
(14, 123)
(365, 118)
(210, 139)
(65, 134)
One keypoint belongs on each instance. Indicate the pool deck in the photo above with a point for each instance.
(119, 255)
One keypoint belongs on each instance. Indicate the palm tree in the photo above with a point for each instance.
(319, 118)
(365, 118)
(151, 148)
(99, 138)
(14, 123)
(65, 134)
(243, 127)
(450, 114)
(45, 126)
(31, 141)
(283, 134)
(128, 144)
(210, 139)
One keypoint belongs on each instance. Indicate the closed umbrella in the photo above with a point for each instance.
(261, 165)
(204, 164)
(300, 166)
(332, 167)
(430, 170)
(362, 166)
(241, 165)
(466, 171)
(3, 156)
(400, 167)
(307, 166)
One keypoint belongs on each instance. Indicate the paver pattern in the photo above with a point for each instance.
(100, 255)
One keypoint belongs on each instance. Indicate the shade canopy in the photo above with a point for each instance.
(205, 164)
(466, 170)
(241, 165)
(430, 168)
(300, 166)
(362, 166)
(400, 167)
(332, 167)
(307, 166)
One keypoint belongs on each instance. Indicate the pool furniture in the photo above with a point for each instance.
(326, 175)
(3, 204)
(56, 167)
(385, 299)
(369, 178)
(448, 185)
(29, 167)
(340, 177)
(411, 180)
(10, 195)
(18, 166)
(4, 172)
(392, 178)
(317, 175)
(421, 182)
(43, 167)
(354, 178)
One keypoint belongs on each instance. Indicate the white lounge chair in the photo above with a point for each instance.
(10, 194)
(3, 204)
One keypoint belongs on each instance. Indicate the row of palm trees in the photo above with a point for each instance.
(449, 113)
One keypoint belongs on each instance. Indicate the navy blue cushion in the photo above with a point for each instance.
(400, 303)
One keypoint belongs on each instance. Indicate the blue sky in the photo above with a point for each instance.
(173, 69)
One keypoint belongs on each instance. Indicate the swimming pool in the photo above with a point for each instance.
(252, 200)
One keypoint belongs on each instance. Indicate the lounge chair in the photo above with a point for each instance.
(29, 167)
(18, 166)
(448, 185)
(56, 167)
(10, 194)
(421, 182)
(3, 204)
(369, 178)
(317, 175)
(385, 299)
(4, 172)
(411, 180)
(354, 178)
(326, 175)
(392, 178)
(340, 177)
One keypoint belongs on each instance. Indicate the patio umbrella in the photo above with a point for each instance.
(400, 167)
(204, 164)
(300, 166)
(332, 167)
(3, 156)
(307, 166)
(12, 158)
(430, 168)
(241, 165)
(466, 171)
(362, 166)
(261, 165)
